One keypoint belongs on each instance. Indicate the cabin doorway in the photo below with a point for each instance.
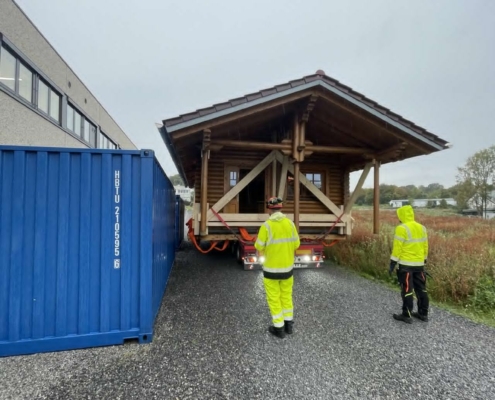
(251, 198)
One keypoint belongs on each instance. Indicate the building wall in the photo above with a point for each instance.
(334, 180)
(19, 127)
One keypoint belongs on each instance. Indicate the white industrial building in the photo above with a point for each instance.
(421, 202)
(184, 192)
(42, 101)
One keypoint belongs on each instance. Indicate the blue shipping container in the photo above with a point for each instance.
(179, 221)
(87, 242)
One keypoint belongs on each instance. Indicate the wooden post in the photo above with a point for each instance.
(296, 195)
(302, 140)
(295, 138)
(205, 153)
(274, 170)
(376, 198)
(283, 176)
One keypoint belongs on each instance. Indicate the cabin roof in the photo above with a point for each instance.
(344, 116)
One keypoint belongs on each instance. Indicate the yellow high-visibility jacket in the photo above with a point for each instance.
(410, 240)
(277, 241)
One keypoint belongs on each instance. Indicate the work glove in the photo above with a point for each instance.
(392, 267)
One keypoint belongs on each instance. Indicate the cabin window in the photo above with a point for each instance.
(316, 178)
(233, 178)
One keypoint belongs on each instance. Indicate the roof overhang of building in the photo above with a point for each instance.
(319, 85)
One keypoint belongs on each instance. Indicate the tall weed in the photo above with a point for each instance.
(461, 257)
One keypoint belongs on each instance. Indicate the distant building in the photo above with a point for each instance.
(185, 193)
(473, 203)
(421, 203)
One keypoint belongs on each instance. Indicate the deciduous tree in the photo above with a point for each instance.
(478, 174)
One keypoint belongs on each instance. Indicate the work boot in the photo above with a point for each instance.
(279, 332)
(420, 316)
(288, 327)
(402, 317)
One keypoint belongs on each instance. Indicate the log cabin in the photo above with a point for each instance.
(300, 141)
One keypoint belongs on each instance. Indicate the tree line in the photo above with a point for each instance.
(474, 187)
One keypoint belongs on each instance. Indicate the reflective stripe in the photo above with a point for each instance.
(409, 294)
(258, 241)
(280, 270)
(278, 324)
(409, 235)
(292, 239)
(278, 316)
(287, 311)
(399, 238)
(417, 240)
(412, 263)
(393, 258)
(269, 231)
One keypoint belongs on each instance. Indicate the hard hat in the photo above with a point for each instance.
(274, 202)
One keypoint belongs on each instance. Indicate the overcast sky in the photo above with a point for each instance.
(432, 62)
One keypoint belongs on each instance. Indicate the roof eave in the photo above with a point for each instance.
(314, 84)
(171, 149)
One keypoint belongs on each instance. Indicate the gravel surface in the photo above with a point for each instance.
(211, 342)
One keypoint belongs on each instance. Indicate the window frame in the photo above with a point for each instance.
(304, 193)
(36, 77)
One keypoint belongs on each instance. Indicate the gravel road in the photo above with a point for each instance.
(211, 342)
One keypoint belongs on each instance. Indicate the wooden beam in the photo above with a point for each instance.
(376, 198)
(297, 192)
(288, 147)
(358, 188)
(391, 151)
(194, 129)
(317, 192)
(328, 238)
(231, 217)
(219, 224)
(283, 176)
(205, 154)
(310, 106)
(241, 184)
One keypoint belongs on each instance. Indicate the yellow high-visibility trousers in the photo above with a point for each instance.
(279, 299)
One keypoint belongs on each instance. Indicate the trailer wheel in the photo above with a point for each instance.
(238, 254)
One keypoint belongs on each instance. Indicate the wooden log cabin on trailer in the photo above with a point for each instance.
(299, 141)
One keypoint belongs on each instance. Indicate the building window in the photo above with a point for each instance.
(92, 135)
(314, 177)
(105, 143)
(43, 97)
(22, 80)
(7, 68)
(54, 106)
(233, 178)
(26, 83)
(70, 118)
(77, 123)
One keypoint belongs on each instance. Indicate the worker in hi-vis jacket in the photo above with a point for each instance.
(277, 242)
(410, 252)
